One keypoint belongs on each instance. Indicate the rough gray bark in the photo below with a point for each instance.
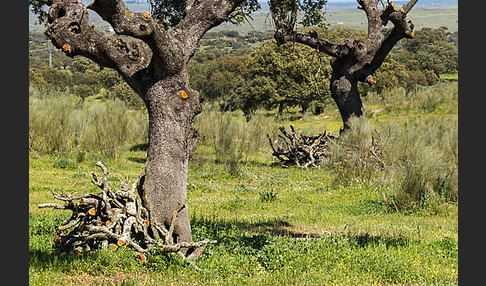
(353, 60)
(161, 80)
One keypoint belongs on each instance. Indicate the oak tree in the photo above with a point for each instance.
(171, 31)
(353, 60)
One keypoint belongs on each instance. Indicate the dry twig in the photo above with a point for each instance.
(115, 218)
(300, 150)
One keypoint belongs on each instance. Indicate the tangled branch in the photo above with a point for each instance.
(115, 218)
(298, 149)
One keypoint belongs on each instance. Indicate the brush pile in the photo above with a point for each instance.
(299, 150)
(115, 218)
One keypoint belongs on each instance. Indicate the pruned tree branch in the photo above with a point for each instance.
(340, 50)
(114, 218)
(299, 150)
(143, 27)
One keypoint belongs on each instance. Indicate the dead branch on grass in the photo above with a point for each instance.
(299, 150)
(115, 218)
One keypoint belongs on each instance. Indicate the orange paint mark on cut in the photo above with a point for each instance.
(141, 257)
(146, 15)
(184, 94)
(65, 48)
(394, 6)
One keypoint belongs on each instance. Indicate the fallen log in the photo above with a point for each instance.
(114, 218)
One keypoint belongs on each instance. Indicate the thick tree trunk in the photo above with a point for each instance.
(172, 105)
(344, 91)
(160, 78)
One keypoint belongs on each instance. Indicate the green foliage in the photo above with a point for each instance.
(268, 196)
(61, 123)
(312, 11)
(298, 74)
(125, 93)
(171, 12)
(417, 157)
(104, 126)
(232, 139)
(44, 76)
(64, 163)
(37, 7)
(433, 50)
(350, 157)
(423, 155)
(291, 75)
(213, 81)
(50, 121)
(82, 65)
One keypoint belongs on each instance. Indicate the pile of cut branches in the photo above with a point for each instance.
(115, 218)
(299, 150)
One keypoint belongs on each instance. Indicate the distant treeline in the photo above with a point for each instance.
(249, 72)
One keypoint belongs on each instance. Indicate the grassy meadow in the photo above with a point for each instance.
(351, 223)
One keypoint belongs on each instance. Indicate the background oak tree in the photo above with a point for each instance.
(354, 60)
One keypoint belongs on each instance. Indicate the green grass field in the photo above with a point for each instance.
(274, 226)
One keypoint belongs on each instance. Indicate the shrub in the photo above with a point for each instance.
(62, 123)
(350, 157)
(103, 126)
(50, 120)
(417, 158)
(64, 163)
(233, 139)
(422, 154)
(268, 196)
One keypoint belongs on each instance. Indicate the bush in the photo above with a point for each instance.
(233, 139)
(104, 126)
(350, 157)
(417, 158)
(64, 163)
(268, 196)
(50, 120)
(62, 123)
(424, 155)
